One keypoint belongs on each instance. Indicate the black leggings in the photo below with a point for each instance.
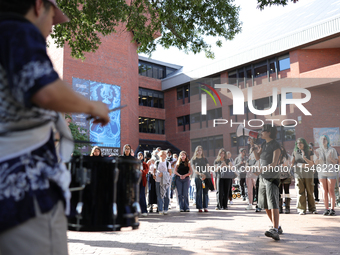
(284, 187)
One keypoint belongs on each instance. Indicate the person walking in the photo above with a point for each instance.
(223, 179)
(304, 177)
(269, 155)
(285, 181)
(145, 170)
(326, 158)
(200, 166)
(183, 171)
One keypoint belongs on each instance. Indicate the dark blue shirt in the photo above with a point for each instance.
(25, 68)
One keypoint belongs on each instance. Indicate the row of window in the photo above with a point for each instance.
(151, 125)
(151, 98)
(194, 87)
(153, 70)
(211, 145)
(262, 68)
(283, 134)
(199, 118)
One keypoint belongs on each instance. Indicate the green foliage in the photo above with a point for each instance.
(78, 134)
(181, 23)
(263, 3)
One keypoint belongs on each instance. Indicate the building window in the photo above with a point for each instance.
(232, 77)
(284, 63)
(183, 92)
(262, 103)
(151, 70)
(183, 120)
(260, 69)
(214, 114)
(289, 133)
(237, 141)
(151, 125)
(211, 145)
(151, 98)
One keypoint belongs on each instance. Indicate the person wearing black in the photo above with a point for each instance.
(240, 164)
(223, 179)
(285, 181)
(269, 155)
(144, 169)
(183, 171)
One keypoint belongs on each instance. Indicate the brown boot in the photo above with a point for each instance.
(287, 210)
(280, 206)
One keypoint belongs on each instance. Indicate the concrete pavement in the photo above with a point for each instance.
(216, 232)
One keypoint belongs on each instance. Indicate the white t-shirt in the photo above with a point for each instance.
(162, 168)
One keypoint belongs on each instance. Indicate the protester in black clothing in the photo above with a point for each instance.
(269, 155)
(223, 179)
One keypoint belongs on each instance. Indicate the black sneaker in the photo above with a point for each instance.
(326, 212)
(331, 212)
(272, 233)
(258, 209)
(279, 230)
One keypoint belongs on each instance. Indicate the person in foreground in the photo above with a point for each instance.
(34, 194)
(269, 155)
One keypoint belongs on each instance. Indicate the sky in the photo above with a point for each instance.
(250, 16)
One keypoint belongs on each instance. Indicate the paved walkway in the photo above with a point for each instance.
(216, 232)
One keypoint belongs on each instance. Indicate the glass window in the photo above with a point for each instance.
(278, 135)
(205, 144)
(186, 91)
(179, 93)
(232, 77)
(152, 126)
(260, 69)
(231, 112)
(180, 121)
(233, 139)
(218, 142)
(284, 63)
(289, 133)
(272, 67)
(151, 98)
(194, 90)
(187, 119)
(161, 127)
(261, 104)
(195, 143)
(248, 72)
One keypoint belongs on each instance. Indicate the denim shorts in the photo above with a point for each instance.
(327, 177)
(268, 194)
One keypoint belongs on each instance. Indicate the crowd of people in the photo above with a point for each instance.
(263, 175)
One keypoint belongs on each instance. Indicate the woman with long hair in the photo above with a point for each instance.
(96, 152)
(223, 179)
(126, 151)
(285, 181)
(144, 169)
(304, 177)
(326, 159)
(183, 172)
(200, 165)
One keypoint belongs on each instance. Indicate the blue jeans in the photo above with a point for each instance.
(200, 192)
(182, 189)
(142, 200)
(162, 201)
(191, 191)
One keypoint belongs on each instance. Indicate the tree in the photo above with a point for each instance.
(180, 23)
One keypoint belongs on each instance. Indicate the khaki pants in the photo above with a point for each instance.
(43, 235)
(304, 185)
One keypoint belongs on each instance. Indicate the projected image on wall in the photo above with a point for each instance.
(108, 136)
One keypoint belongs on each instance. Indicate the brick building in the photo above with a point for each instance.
(164, 101)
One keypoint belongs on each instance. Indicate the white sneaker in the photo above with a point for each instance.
(144, 214)
(249, 207)
(165, 212)
(231, 202)
(169, 206)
